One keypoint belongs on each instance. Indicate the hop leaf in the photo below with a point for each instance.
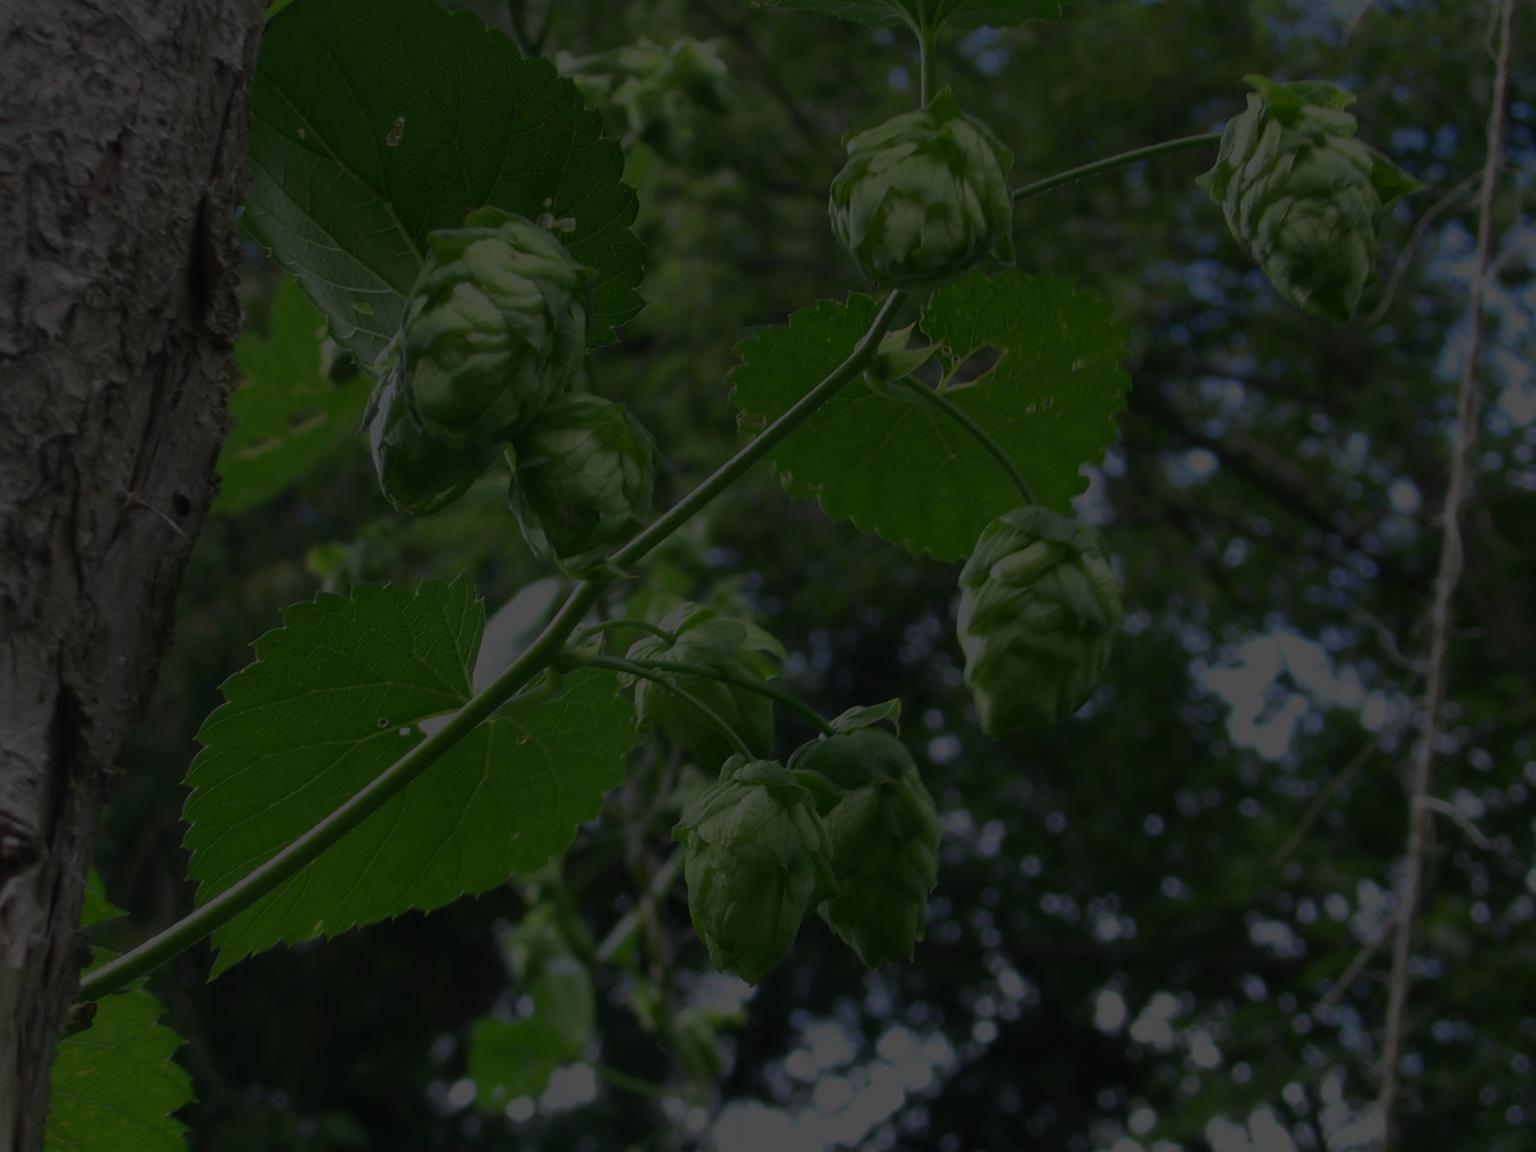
(736, 647)
(924, 196)
(496, 328)
(756, 860)
(1038, 610)
(418, 473)
(884, 830)
(1302, 195)
(582, 480)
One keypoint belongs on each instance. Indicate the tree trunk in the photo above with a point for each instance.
(122, 154)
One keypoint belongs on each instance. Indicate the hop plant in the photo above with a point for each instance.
(884, 831)
(583, 472)
(418, 473)
(1302, 195)
(924, 196)
(726, 644)
(495, 329)
(756, 859)
(1038, 611)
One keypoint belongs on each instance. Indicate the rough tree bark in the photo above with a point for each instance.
(122, 149)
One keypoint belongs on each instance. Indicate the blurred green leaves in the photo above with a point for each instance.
(930, 13)
(287, 413)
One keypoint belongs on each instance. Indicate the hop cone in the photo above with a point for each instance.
(418, 472)
(884, 831)
(924, 196)
(496, 328)
(1302, 195)
(1038, 611)
(756, 860)
(583, 473)
(736, 647)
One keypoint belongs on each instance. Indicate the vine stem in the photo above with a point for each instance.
(538, 656)
(927, 62)
(633, 668)
(1110, 163)
(705, 672)
(1447, 578)
(981, 435)
(626, 624)
(629, 923)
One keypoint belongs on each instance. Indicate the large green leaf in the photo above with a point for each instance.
(288, 415)
(341, 691)
(115, 1085)
(933, 13)
(376, 123)
(896, 465)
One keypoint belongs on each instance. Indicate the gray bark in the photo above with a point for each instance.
(122, 148)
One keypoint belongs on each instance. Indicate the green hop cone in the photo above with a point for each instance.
(884, 830)
(1039, 607)
(495, 329)
(582, 478)
(733, 646)
(756, 859)
(1302, 195)
(418, 473)
(924, 196)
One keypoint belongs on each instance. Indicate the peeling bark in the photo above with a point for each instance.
(122, 148)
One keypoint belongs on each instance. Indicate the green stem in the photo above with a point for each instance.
(629, 923)
(1110, 163)
(766, 440)
(981, 435)
(625, 624)
(927, 63)
(762, 688)
(633, 1084)
(538, 656)
(631, 668)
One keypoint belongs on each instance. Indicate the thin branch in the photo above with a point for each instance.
(1415, 238)
(1348, 977)
(666, 684)
(1458, 818)
(622, 932)
(1319, 802)
(1447, 579)
(1110, 163)
(747, 684)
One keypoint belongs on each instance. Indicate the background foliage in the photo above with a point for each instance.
(1144, 916)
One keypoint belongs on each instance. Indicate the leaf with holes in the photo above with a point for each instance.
(114, 1083)
(898, 466)
(288, 414)
(931, 13)
(374, 124)
(345, 688)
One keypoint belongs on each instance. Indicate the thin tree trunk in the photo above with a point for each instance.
(122, 148)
